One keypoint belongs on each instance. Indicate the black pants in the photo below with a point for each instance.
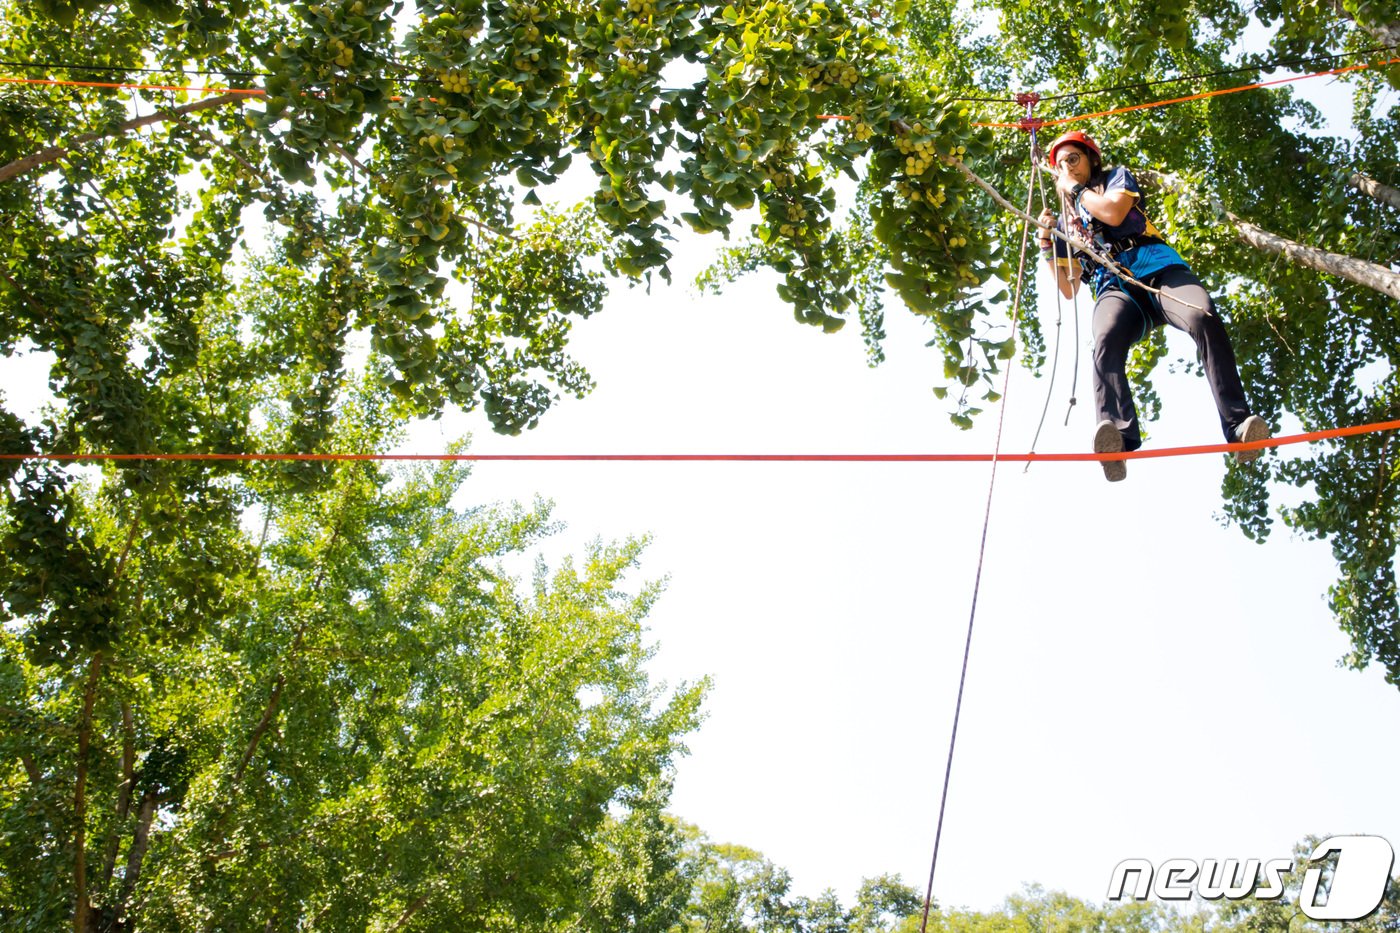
(1124, 315)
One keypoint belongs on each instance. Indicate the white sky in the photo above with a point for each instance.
(1143, 683)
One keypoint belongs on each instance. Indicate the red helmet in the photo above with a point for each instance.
(1073, 136)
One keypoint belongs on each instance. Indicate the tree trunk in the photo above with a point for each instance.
(140, 840)
(1381, 192)
(124, 794)
(1368, 274)
(54, 153)
(80, 892)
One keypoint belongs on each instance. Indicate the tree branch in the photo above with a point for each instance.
(1387, 33)
(262, 539)
(29, 299)
(1381, 192)
(126, 549)
(232, 152)
(408, 914)
(260, 729)
(54, 153)
(271, 708)
(354, 162)
(33, 720)
(31, 769)
(1369, 274)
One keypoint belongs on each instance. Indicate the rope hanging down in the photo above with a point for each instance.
(1036, 175)
(986, 523)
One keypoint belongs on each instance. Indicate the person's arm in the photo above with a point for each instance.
(1060, 266)
(1109, 206)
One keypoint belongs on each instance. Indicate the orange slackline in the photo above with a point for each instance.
(250, 91)
(1189, 97)
(1307, 437)
(52, 82)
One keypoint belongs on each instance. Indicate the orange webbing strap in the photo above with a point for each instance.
(1287, 440)
(114, 85)
(1204, 94)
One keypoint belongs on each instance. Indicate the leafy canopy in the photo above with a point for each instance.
(395, 145)
(367, 718)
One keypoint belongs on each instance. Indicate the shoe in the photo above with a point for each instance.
(1249, 430)
(1109, 440)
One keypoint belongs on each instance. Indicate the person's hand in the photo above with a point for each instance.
(1065, 183)
(1047, 217)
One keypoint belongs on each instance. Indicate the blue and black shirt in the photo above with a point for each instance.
(1136, 243)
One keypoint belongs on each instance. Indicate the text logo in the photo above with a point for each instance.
(1352, 889)
(1358, 881)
